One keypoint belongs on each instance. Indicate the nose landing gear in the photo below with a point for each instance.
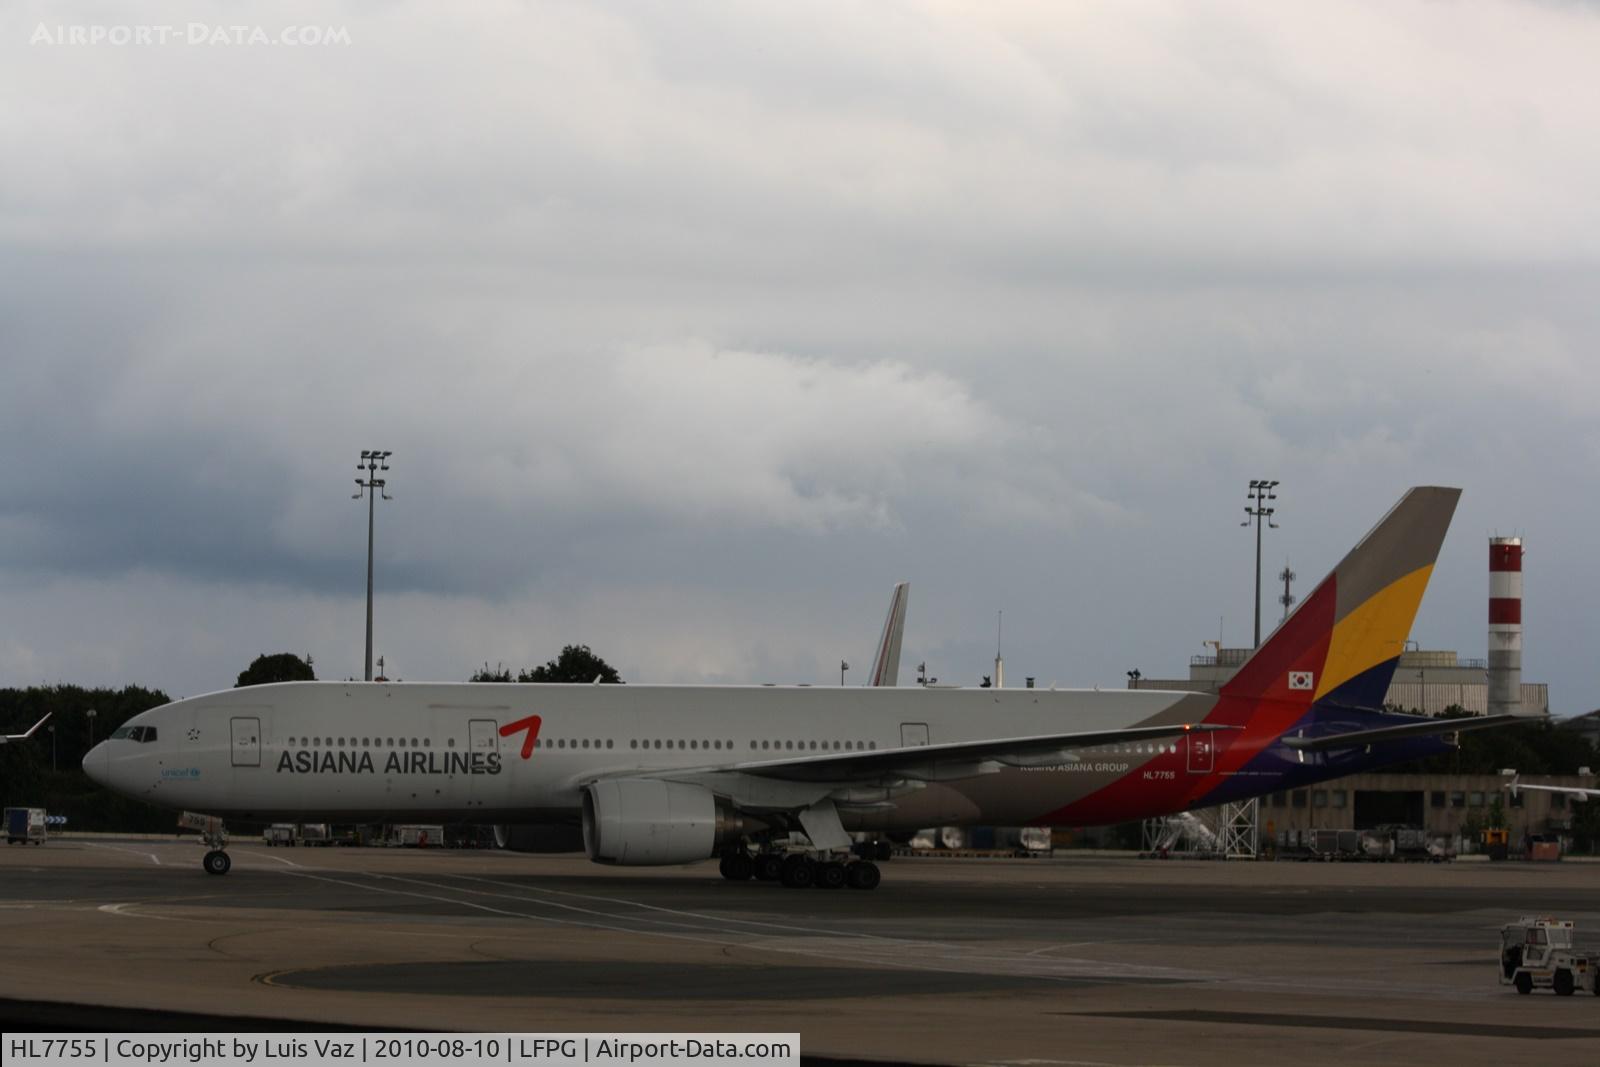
(214, 836)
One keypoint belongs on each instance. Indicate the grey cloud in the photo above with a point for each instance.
(694, 328)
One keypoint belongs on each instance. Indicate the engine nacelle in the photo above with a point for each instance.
(538, 837)
(645, 822)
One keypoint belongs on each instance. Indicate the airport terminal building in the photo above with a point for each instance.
(1447, 805)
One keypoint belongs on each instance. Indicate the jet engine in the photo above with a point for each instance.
(641, 822)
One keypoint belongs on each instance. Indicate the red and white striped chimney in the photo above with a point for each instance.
(1505, 626)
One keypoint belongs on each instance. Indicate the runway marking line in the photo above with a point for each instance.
(132, 851)
(1100, 970)
(121, 909)
(888, 941)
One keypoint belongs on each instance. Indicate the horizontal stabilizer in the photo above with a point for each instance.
(31, 731)
(1577, 793)
(1427, 728)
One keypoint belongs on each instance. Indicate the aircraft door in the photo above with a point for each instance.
(913, 734)
(246, 742)
(1202, 753)
(480, 735)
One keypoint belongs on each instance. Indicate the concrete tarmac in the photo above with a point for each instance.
(1076, 960)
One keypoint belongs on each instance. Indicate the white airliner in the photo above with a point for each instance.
(774, 778)
(8, 738)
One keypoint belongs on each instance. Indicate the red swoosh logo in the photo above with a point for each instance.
(531, 725)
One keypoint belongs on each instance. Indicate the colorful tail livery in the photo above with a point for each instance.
(1317, 686)
(1340, 647)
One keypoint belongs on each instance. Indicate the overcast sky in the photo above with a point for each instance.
(694, 327)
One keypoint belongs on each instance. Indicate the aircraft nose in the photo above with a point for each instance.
(97, 764)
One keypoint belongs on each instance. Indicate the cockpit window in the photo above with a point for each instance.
(148, 735)
(121, 733)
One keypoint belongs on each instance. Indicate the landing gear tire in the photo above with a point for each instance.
(863, 875)
(1563, 983)
(767, 867)
(1524, 983)
(217, 862)
(736, 867)
(832, 876)
(798, 872)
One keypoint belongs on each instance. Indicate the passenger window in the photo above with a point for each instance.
(763, 745)
(316, 742)
(752, 744)
(413, 742)
(427, 742)
(658, 742)
(634, 743)
(608, 742)
(451, 743)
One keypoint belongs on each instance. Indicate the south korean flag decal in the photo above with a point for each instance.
(1300, 680)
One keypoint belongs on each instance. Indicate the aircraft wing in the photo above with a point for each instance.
(1575, 792)
(4, 738)
(953, 759)
(1425, 728)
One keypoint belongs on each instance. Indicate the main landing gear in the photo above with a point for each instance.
(798, 870)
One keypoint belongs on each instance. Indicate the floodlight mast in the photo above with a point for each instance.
(1261, 491)
(372, 461)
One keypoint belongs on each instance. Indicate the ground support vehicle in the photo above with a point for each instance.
(279, 833)
(1537, 953)
(25, 825)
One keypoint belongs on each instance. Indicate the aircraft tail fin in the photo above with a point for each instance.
(1341, 645)
(886, 662)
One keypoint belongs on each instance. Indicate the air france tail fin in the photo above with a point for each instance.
(1341, 645)
(886, 662)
